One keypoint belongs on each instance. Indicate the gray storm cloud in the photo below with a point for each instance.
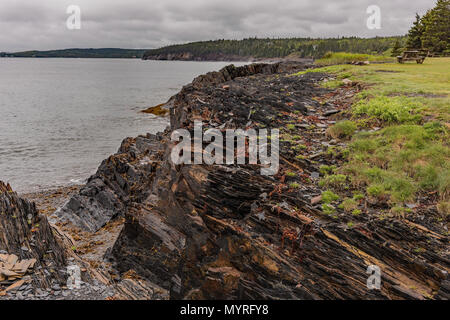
(41, 25)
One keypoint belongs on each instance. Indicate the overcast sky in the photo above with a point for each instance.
(41, 24)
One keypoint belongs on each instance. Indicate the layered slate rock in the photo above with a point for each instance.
(120, 179)
(227, 232)
(27, 236)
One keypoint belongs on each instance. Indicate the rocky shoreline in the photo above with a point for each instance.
(150, 229)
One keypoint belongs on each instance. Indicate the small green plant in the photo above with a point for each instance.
(375, 190)
(294, 185)
(349, 205)
(324, 169)
(290, 126)
(299, 147)
(400, 211)
(350, 224)
(443, 208)
(328, 209)
(329, 197)
(291, 174)
(358, 196)
(356, 212)
(342, 129)
(337, 181)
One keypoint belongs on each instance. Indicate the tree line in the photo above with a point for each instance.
(279, 48)
(431, 31)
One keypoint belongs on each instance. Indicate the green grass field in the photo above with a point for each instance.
(333, 58)
(408, 154)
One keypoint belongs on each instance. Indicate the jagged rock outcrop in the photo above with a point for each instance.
(227, 232)
(27, 235)
(120, 179)
(215, 232)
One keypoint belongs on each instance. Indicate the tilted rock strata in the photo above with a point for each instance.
(26, 234)
(120, 179)
(226, 232)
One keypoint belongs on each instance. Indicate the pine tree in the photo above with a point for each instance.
(415, 34)
(397, 49)
(436, 23)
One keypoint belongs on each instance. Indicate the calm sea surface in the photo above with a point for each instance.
(59, 118)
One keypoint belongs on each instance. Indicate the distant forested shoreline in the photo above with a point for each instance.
(254, 48)
(230, 50)
(79, 53)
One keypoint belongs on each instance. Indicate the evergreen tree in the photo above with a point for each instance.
(415, 34)
(436, 25)
(397, 49)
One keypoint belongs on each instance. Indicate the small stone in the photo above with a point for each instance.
(316, 200)
(56, 287)
(331, 112)
(315, 175)
(261, 216)
(347, 81)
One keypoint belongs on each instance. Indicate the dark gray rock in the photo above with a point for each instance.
(119, 179)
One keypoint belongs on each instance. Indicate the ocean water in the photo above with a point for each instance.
(59, 118)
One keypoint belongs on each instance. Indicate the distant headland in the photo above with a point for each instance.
(229, 50)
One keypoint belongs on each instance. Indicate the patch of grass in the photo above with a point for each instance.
(290, 126)
(342, 129)
(401, 160)
(332, 58)
(389, 109)
(375, 190)
(358, 196)
(400, 211)
(349, 204)
(332, 84)
(410, 155)
(356, 212)
(329, 197)
(294, 185)
(328, 209)
(443, 208)
(324, 169)
(299, 147)
(291, 174)
(336, 181)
